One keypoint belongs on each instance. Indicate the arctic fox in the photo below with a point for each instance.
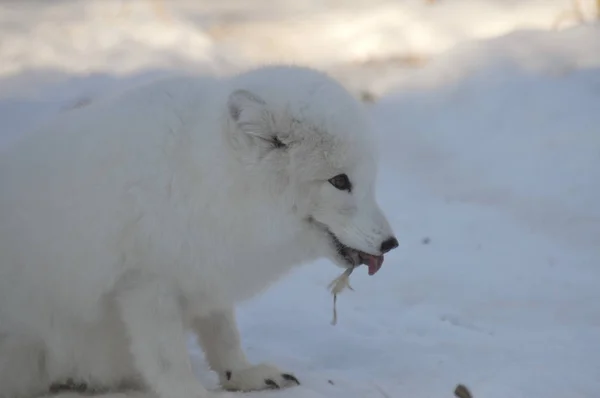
(134, 219)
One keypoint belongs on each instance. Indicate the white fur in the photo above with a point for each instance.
(131, 219)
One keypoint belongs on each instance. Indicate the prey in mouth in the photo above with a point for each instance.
(355, 257)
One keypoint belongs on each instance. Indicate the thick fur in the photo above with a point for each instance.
(130, 220)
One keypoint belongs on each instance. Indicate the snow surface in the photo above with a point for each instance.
(490, 175)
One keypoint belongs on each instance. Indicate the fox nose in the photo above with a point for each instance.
(389, 244)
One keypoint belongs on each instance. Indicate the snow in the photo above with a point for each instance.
(490, 173)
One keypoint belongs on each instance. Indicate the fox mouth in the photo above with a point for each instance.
(354, 257)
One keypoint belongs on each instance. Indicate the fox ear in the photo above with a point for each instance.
(249, 112)
(241, 101)
(252, 117)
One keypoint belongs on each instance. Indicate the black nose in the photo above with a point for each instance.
(389, 244)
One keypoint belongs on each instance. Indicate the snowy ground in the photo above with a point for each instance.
(490, 173)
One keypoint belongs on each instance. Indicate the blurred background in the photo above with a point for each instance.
(368, 43)
(488, 117)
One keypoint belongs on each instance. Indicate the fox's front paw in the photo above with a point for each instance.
(257, 377)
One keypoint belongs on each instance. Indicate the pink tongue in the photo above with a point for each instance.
(374, 263)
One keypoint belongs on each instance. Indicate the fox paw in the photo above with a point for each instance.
(257, 377)
(68, 385)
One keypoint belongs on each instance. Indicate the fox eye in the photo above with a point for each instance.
(276, 142)
(341, 182)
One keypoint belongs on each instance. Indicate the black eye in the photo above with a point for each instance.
(341, 182)
(276, 142)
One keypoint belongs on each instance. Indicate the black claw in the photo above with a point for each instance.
(80, 387)
(68, 385)
(228, 374)
(271, 383)
(56, 388)
(290, 377)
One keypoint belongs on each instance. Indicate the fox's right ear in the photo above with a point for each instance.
(252, 117)
(241, 101)
(249, 112)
